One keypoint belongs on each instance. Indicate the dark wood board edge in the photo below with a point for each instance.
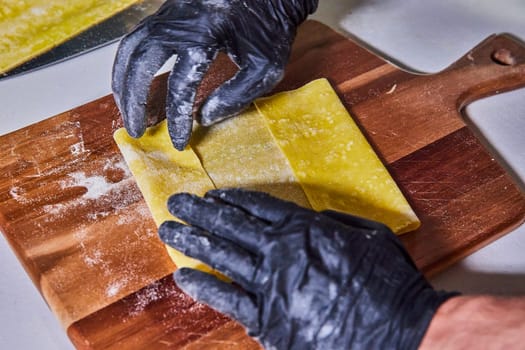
(469, 172)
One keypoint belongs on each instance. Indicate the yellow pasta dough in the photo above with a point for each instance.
(300, 145)
(241, 152)
(160, 171)
(332, 159)
(32, 27)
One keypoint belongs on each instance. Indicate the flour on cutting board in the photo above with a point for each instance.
(156, 292)
(17, 193)
(40, 162)
(97, 254)
(114, 288)
(144, 297)
(98, 187)
(109, 190)
(78, 148)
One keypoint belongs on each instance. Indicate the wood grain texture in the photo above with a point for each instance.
(73, 214)
(159, 316)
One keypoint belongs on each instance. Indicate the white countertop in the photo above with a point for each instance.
(421, 35)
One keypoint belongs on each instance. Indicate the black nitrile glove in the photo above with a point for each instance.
(309, 280)
(256, 34)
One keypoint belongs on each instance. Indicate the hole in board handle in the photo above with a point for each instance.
(503, 57)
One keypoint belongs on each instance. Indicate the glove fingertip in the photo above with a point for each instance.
(176, 201)
(215, 110)
(221, 296)
(234, 96)
(135, 132)
(179, 129)
(187, 280)
(196, 284)
(133, 115)
(168, 231)
(180, 145)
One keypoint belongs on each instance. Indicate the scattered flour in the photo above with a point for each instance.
(119, 165)
(78, 148)
(114, 288)
(96, 185)
(128, 217)
(37, 11)
(114, 195)
(93, 259)
(17, 194)
(146, 296)
(152, 293)
(107, 192)
(98, 215)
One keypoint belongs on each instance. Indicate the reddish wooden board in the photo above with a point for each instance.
(73, 214)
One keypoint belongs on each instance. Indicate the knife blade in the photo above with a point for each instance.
(104, 33)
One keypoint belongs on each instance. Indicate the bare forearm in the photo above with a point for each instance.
(477, 322)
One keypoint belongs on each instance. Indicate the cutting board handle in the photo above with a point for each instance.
(433, 104)
(496, 65)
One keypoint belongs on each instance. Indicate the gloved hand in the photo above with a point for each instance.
(309, 280)
(256, 34)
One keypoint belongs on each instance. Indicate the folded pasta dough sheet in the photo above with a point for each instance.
(331, 158)
(160, 170)
(241, 152)
(31, 27)
(300, 145)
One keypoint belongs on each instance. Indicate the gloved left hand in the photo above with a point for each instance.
(256, 34)
(309, 280)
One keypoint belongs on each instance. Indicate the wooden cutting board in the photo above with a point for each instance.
(76, 220)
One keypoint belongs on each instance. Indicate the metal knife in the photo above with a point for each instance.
(97, 36)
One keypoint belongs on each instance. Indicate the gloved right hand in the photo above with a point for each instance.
(309, 280)
(256, 34)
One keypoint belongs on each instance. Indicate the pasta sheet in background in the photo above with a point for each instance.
(300, 145)
(32, 27)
